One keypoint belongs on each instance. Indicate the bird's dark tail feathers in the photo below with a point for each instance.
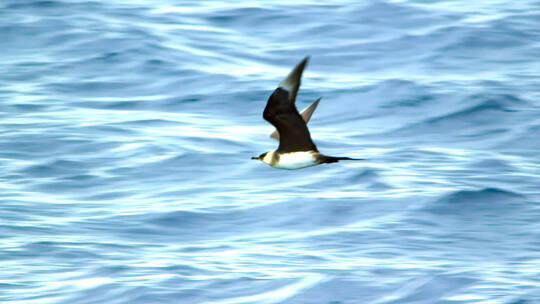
(332, 159)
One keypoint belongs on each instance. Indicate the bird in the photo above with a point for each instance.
(296, 149)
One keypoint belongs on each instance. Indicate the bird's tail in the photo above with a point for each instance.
(332, 159)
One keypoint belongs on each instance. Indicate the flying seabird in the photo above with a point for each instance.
(296, 148)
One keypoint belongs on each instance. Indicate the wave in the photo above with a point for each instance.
(493, 165)
(470, 201)
(484, 115)
(524, 141)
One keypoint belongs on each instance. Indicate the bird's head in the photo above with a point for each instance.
(260, 157)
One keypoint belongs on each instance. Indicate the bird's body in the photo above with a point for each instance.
(291, 160)
(296, 148)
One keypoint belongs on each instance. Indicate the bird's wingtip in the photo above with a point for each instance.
(275, 135)
(307, 112)
(291, 83)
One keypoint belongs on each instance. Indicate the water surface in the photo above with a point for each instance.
(127, 127)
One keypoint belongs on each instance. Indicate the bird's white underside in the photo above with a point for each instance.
(292, 160)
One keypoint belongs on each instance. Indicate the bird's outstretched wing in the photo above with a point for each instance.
(281, 112)
(291, 83)
(305, 113)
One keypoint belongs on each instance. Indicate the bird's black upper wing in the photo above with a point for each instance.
(305, 113)
(282, 114)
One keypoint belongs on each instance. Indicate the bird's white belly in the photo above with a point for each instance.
(296, 160)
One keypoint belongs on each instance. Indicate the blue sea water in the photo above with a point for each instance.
(127, 127)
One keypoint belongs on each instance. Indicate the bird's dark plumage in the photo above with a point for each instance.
(293, 132)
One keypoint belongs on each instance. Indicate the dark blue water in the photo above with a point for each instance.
(127, 127)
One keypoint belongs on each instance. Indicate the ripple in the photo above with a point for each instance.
(465, 201)
(126, 137)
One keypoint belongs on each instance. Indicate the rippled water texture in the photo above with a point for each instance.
(127, 127)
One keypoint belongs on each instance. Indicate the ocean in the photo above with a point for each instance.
(127, 129)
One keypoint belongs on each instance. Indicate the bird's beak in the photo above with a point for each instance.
(255, 157)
